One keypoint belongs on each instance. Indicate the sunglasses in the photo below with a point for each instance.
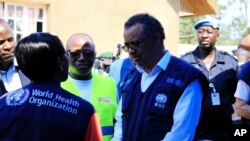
(77, 54)
(134, 44)
(11, 39)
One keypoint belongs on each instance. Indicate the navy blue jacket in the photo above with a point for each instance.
(126, 67)
(149, 116)
(216, 121)
(244, 73)
(43, 112)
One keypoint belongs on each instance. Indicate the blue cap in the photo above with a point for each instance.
(214, 23)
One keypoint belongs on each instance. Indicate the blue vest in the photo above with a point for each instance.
(244, 73)
(149, 116)
(43, 113)
(126, 67)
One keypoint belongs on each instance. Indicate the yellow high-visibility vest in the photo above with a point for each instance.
(103, 98)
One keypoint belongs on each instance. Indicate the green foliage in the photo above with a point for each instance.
(247, 31)
(187, 32)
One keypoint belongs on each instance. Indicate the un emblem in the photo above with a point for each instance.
(17, 97)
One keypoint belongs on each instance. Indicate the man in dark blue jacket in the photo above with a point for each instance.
(220, 68)
(161, 98)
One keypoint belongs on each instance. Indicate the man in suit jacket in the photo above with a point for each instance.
(10, 74)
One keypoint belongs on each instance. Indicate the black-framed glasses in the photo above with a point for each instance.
(10, 39)
(134, 44)
(89, 54)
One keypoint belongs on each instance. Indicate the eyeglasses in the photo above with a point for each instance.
(134, 44)
(11, 39)
(87, 54)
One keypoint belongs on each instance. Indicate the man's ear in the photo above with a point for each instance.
(218, 35)
(62, 64)
(67, 54)
(158, 38)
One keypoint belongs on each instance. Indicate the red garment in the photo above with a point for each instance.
(93, 132)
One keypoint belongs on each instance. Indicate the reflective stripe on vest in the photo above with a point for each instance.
(105, 104)
(107, 130)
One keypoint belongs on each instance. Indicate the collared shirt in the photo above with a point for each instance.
(222, 62)
(242, 91)
(147, 79)
(11, 78)
(184, 124)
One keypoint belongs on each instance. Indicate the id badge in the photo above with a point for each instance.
(215, 99)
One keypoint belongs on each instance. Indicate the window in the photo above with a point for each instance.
(24, 19)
